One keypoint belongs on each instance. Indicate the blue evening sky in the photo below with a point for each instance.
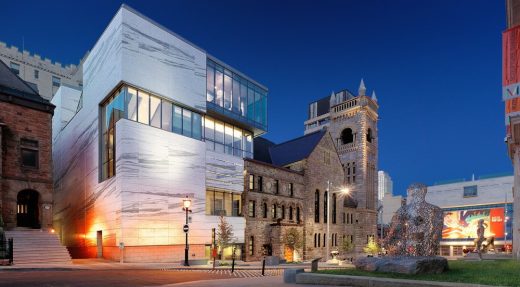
(435, 65)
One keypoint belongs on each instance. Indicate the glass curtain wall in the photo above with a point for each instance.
(142, 107)
(236, 95)
(225, 138)
(223, 203)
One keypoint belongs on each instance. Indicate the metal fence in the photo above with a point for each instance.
(6, 249)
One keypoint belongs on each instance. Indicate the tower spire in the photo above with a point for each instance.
(362, 89)
(333, 99)
(374, 96)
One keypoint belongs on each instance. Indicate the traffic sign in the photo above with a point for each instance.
(186, 228)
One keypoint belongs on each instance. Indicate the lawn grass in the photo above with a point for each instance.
(487, 272)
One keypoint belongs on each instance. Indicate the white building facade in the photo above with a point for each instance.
(466, 202)
(157, 120)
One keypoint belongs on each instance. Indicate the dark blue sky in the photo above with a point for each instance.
(435, 65)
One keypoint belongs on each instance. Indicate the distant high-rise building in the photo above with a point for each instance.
(385, 184)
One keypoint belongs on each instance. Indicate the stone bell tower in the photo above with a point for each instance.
(353, 126)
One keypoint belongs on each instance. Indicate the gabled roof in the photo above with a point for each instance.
(296, 149)
(16, 90)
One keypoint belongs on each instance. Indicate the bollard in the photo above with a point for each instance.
(263, 267)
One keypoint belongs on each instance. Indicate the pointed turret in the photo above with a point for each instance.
(362, 89)
(333, 101)
(374, 98)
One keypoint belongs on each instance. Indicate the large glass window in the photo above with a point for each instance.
(219, 87)
(143, 107)
(227, 91)
(166, 116)
(155, 112)
(235, 95)
(177, 120)
(223, 203)
(186, 122)
(223, 137)
(210, 84)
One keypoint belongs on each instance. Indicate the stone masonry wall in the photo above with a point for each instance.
(24, 123)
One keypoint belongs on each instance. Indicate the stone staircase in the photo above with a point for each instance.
(33, 246)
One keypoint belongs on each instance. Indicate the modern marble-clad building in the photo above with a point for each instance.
(158, 119)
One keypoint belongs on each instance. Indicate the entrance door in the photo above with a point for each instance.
(289, 254)
(99, 244)
(27, 211)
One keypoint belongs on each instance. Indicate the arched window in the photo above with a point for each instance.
(317, 206)
(283, 211)
(324, 239)
(347, 136)
(369, 135)
(315, 240)
(325, 210)
(264, 210)
(290, 213)
(319, 240)
(298, 214)
(273, 211)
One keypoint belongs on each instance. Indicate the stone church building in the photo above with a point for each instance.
(26, 197)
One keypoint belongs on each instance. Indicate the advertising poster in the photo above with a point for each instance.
(462, 224)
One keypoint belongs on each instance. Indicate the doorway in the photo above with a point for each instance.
(289, 254)
(99, 243)
(27, 211)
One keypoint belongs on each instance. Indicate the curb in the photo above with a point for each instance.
(363, 281)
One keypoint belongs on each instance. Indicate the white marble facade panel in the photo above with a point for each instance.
(224, 171)
(156, 60)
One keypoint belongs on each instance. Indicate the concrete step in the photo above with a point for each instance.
(37, 247)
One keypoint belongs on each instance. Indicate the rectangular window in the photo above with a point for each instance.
(143, 107)
(291, 190)
(223, 203)
(155, 112)
(29, 152)
(251, 208)
(260, 184)
(243, 100)
(36, 74)
(210, 84)
(237, 142)
(177, 120)
(219, 87)
(273, 211)
(186, 122)
(276, 186)
(56, 82)
(251, 182)
(236, 96)
(470, 191)
(131, 104)
(219, 136)
(166, 116)
(251, 246)
(15, 68)
(197, 126)
(227, 91)
(229, 138)
(250, 104)
(236, 204)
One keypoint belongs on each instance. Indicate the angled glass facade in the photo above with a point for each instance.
(235, 97)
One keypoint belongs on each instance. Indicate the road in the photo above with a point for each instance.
(113, 278)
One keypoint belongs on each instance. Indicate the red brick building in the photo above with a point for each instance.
(26, 188)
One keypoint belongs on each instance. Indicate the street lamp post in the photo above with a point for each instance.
(327, 243)
(186, 207)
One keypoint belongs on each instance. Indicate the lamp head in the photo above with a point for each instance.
(345, 190)
(186, 202)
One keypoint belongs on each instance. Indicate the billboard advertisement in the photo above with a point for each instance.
(462, 224)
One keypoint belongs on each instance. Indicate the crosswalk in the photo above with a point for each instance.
(238, 273)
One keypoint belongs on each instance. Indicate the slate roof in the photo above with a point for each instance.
(16, 90)
(296, 149)
(261, 149)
